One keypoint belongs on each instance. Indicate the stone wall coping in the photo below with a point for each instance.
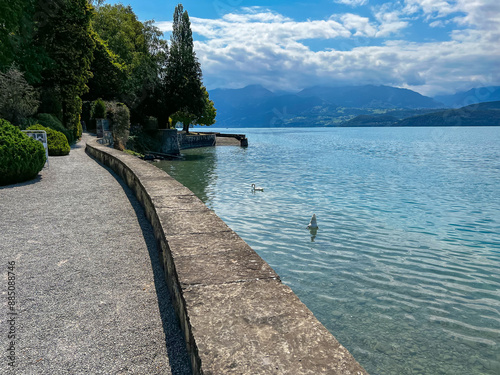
(236, 315)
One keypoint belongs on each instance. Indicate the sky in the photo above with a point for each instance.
(431, 46)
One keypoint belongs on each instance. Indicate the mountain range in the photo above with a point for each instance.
(369, 105)
(480, 114)
(473, 96)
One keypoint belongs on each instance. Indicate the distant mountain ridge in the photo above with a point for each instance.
(472, 96)
(370, 96)
(369, 105)
(481, 114)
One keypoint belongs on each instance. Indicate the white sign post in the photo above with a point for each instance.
(39, 135)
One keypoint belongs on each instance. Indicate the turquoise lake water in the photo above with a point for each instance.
(405, 267)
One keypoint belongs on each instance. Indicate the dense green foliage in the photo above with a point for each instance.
(66, 51)
(18, 100)
(133, 62)
(64, 31)
(17, 44)
(51, 43)
(209, 113)
(21, 158)
(57, 141)
(50, 121)
(12, 16)
(206, 118)
(98, 109)
(108, 74)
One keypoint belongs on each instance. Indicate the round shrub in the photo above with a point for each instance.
(21, 158)
(57, 142)
(51, 121)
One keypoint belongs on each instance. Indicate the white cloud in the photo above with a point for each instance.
(391, 19)
(431, 8)
(255, 13)
(232, 27)
(261, 46)
(361, 26)
(352, 3)
(437, 24)
(483, 14)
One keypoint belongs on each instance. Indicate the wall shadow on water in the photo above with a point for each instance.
(197, 172)
(178, 357)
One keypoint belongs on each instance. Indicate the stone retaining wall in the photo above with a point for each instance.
(193, 141)
(237, 316)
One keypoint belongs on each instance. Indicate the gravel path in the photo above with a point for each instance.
(90, 293)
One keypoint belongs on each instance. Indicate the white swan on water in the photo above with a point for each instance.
(313, 224)
(257, 188)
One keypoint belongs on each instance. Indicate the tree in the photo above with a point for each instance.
(183, 78)
(209, 112)
(207, 117)
(141, 52)
(64, 31)
(18, 100)
(17, 25)
(108, 74)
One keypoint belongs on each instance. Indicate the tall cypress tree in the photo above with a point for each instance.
(183, 79)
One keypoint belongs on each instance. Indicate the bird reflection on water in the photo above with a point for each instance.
(314, 232)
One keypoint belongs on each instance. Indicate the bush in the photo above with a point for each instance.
(21, 158)
(51, 121)
(18, 100)
(57, 142)
(120, 117)
(98, 109)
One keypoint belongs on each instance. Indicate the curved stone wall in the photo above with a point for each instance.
(237, 316)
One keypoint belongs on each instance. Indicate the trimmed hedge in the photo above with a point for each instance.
(51, 121)
(21, 157)
(57, 142)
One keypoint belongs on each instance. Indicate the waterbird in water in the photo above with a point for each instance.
(256, 188)
(313, 224)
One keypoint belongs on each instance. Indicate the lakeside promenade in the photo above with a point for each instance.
(90, 295)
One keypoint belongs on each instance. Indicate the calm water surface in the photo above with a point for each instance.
(405, 267)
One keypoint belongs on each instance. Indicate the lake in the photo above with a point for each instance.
(405, 267)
